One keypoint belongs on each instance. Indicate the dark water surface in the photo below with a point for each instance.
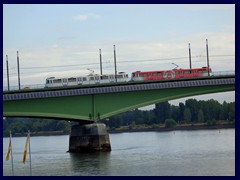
(179, 153)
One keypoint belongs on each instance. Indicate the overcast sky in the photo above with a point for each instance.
(64, 40)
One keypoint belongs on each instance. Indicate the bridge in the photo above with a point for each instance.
(92, 103)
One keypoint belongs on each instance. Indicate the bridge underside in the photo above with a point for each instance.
(98, 106)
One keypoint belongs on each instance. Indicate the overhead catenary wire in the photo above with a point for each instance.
(126, 61)
(106, 67)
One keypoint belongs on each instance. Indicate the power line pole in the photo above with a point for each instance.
(115, 64)
(190, 62)
(19, 87)
(207, 56)
(100, 61)
(7, 72)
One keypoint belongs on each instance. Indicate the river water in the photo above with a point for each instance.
(175, 153)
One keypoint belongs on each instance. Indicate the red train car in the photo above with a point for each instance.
(170, 74)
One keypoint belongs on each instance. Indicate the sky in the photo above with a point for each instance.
(64, 40)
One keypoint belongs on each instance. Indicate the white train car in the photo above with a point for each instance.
(86, 80)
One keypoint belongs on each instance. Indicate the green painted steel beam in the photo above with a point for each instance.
(116, 103)
(99, 106)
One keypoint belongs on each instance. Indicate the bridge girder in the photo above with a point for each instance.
(92, 107)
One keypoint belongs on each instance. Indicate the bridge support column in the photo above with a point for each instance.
(89, 138)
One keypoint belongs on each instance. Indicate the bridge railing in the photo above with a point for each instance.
(33, 86)
(223, 73)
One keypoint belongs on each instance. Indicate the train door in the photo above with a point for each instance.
(79, 80)
(97, 79)
(181, 74)
(64, 81)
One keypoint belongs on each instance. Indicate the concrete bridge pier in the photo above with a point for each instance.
(89, 138)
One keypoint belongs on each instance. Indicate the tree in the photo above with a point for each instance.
(175, 113)
(192, 104)
(187, 115)
(162, 111)
(181, 111)
(200, 116)
(231, 114)
(170, 123)
(214, 109)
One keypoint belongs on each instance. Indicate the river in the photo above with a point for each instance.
(174, 153)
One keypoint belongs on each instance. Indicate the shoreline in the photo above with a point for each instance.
(160, 129)
(177, 128)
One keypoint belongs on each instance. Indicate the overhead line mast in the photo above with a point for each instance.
(100, 61)
(207, 56)
(190, 61)
(115, 64)
(19, 86)
(7, 73)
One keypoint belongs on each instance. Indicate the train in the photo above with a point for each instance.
(123, 77)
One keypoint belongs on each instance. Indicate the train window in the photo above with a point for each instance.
(91, 78)
(71, 79)
(79, 79)
(57, 81)
(126, 75)
(186, 72)
(142, 75)
(47, 81)
(104, 77)
(202, 71)
(133, 75)
(96, 77)
(120, 76)
(84, 78)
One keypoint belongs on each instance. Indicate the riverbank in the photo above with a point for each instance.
(141, 128)
(41, 133)
(176, 128)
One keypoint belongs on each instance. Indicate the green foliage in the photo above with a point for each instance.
(132, 125)
(187, 115)
(193, 106)
(22, 125)
(211, 122)
(170, 123)
(200, 116)
(162, 111)
(155, 126)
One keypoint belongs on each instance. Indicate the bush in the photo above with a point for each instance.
(132, 125)
(211, 122)
(170, 123)
(155, 126)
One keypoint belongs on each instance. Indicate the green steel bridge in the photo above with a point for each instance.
(92, 103)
